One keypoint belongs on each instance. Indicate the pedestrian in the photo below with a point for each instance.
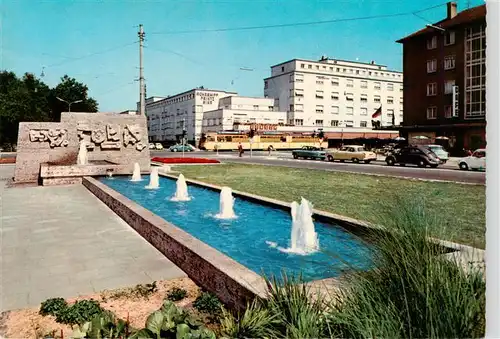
(240, 149)
(269, 149)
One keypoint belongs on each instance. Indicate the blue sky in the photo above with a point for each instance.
(93, 40)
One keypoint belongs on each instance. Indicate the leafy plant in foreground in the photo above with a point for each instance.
(80, 312)
(103, 325)
(53, 306)
(173, 322)
(176, 294)
(208, 303)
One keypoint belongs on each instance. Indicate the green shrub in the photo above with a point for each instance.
(53, 306)
(145, 290)
(208, 303)
(80, 312)
(176, 294)
(103, 325)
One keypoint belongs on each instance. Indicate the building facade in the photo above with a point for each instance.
(168, 117)
(242, 111)
(445, 80)
(336, 93)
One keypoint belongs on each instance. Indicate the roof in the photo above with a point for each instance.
(464, 17)
(341, 60)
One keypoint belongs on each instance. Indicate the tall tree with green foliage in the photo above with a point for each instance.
(70, 90)
(30, 99)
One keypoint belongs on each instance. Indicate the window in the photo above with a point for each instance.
(432, 89)
(299, 108)
(390, 87)
(319, 95)
(448, 111)
(475, 71)
(319, 109)
(349, 97)
(448, 86)
(291, 108)
(364, 98)
(309, 66)
(290, 78)
(432, 112)
(390, 100)
(390, 113)
(362, 124)
(335, 109)
(335, 95)
(349, 123)
(319, 123)
(431, 66)
(335, 82)
(302, 65)
(319, 82)
(334, 123)
(349, 83)
(256, 107)
(449, 62)
(266, 84)
(376, 85)
(432, 42)
(449, 38)
(364, 84)
(364, 111)
(283, 68)
(349, 110)
(299, 92)
(376, 98)
(299, 122)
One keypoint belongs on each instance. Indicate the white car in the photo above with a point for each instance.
(476, 161)
(440, 152)
(158, 146)
(151, 145)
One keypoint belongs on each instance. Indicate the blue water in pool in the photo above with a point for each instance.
(246, 238)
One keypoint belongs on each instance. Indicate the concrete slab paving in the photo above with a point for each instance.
(63, 242)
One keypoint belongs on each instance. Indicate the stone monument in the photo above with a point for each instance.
(47, 152)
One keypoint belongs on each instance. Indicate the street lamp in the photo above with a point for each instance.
(69, 103)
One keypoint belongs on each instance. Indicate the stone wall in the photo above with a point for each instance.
(116, 138)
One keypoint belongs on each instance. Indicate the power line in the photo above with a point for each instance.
(92, 54)
(310, 23)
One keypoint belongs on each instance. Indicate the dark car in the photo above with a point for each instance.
(413, 155)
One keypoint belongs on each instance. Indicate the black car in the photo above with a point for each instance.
(414, 155)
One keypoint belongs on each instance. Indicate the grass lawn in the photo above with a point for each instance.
(462, 207)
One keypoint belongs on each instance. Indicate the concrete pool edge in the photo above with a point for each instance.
(232, 282)
(465, 254)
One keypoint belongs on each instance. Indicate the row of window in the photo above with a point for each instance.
(320, 80)
(449, 63)
(432, 88)
(449, 39)
(345, 70)
(336, 110)
(432, 112)
(333, 123)
(299, 93)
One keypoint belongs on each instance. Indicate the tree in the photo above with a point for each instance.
(21, 100)
(70, 90)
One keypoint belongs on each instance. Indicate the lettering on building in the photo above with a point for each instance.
(55, 137)
(207, 97)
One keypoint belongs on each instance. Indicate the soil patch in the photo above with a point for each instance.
(124, 303)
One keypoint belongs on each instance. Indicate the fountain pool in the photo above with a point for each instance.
(253, 238)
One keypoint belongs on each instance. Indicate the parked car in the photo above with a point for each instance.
(420, 155)
(158, 146)
(151, 145)
(180, 148)
(476, 161)
(440, 152)
(352, 153)
(309, 152)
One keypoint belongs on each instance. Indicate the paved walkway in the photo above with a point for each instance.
(64, 242)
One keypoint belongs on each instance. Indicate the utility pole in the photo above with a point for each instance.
(142, 91)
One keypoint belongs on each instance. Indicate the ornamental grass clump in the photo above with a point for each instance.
(414, 291)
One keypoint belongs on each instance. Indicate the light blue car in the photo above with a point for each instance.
(180, 148)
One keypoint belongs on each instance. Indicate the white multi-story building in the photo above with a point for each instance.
(167, 117)
(239, 110)
(335, 93)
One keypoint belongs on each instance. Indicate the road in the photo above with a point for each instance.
(447, 172)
